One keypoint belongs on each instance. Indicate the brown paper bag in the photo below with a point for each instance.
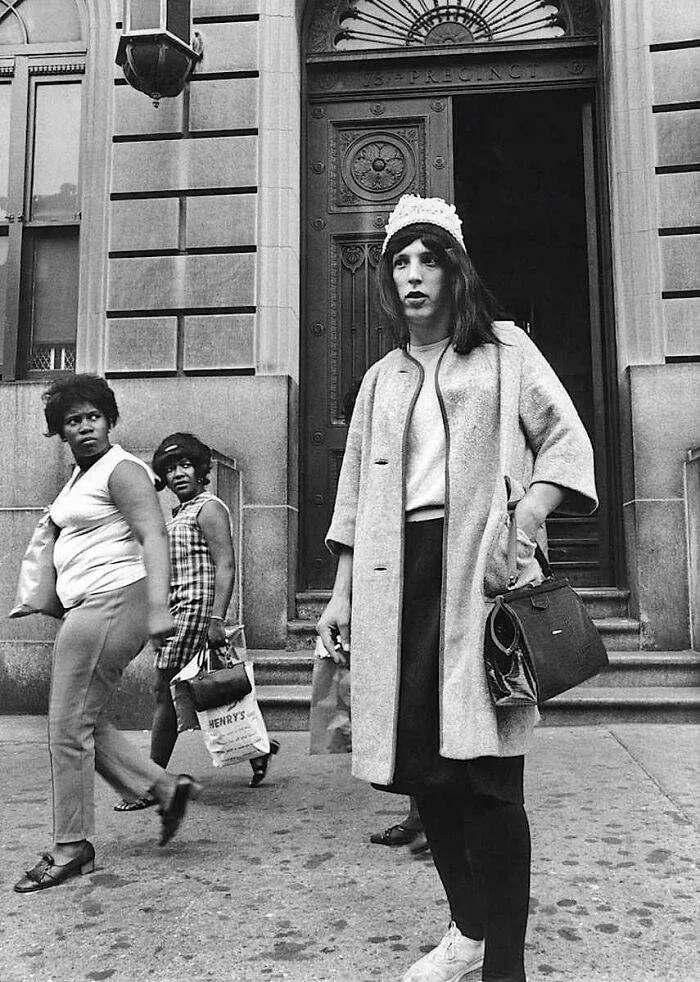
(330, 707)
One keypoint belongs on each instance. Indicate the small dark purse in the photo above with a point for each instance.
(539, 640)
(212, 688)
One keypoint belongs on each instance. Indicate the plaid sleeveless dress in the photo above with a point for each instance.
(192, 575)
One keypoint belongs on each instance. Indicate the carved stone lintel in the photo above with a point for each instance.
(460, 72)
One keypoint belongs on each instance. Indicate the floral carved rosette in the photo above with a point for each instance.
(376, 167)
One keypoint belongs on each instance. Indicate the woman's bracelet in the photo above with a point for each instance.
(215, 617)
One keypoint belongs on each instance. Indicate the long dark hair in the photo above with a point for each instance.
(473, 308)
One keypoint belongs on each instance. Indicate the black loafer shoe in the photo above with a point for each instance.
(186, 790)
(261, 764)
(47, 873)
(395, 835)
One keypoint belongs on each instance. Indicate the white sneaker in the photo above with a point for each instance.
(452, 959)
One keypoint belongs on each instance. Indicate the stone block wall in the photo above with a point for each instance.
(655, 181)
(665, 425)
(674, 29)
(182, 293)
(203, 272)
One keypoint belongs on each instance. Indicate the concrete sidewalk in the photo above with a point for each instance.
(281, 883)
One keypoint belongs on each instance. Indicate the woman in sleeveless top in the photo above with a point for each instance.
(112, 577)
(203, 571)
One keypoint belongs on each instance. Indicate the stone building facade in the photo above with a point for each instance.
(212, 257)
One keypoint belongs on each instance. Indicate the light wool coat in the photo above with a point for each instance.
(506, 416)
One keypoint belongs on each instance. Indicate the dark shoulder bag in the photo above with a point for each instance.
(214, 687)
(539, 640)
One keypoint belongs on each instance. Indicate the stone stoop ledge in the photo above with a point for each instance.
(25, 677)
(659, 686)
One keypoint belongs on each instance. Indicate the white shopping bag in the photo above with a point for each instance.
(180, 691)
(236, 732)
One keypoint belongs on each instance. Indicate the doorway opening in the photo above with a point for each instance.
(521, 167)
(528, 207)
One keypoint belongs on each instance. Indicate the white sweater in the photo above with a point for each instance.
(425, 466)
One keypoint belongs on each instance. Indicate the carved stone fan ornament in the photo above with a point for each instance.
(401, 23)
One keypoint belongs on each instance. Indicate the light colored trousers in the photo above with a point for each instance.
(95, 642)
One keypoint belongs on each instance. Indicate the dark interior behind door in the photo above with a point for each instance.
(520, 188)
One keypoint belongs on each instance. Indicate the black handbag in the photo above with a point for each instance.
(539, 640)
(212, 688)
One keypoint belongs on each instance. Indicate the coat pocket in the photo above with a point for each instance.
(496, 569)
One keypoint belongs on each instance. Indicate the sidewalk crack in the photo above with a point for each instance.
(653, 779)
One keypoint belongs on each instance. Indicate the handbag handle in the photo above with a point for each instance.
(498, 608)
(513, 555)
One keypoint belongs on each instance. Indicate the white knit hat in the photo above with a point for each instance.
(411, 209)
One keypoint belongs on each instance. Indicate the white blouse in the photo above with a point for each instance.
(96, 550)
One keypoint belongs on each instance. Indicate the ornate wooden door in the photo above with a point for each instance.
(362, 155)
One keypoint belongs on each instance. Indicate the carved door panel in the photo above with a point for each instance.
(361, 157)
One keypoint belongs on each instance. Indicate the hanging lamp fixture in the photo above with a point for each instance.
(157, 51)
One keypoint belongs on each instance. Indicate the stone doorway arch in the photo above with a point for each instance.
(383, 93)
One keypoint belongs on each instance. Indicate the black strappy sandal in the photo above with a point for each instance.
(261, 764)
(146, 801)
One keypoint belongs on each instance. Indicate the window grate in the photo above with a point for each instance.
(53, 358)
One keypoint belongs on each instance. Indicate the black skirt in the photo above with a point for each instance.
(419, 767)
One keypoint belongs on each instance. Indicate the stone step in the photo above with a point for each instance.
(586, 706)
(618, 633)
(286, 707)
(279, 667)
(646, 669)
(628, 669)
(601, 601)
(605, 601)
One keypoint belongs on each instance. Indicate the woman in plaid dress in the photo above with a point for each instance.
(201, 583)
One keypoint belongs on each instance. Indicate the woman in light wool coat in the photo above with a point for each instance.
(459, 428)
